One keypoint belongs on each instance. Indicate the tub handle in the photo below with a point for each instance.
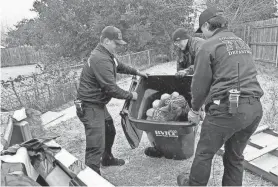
(124, 111)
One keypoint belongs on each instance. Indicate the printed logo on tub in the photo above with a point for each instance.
(169, 133)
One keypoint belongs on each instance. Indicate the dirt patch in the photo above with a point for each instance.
(141, 170)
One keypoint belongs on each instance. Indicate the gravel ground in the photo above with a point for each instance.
(140, 170)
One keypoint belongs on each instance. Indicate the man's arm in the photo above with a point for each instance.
(104, 73)
(201, 80)
(124, 69)
(197, 44)
(180, 65)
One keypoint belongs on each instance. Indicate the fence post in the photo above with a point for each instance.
(249, 39)
(276, 56)
(244, 34)
(149, 57)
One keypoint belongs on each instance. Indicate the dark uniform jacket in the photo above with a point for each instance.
(98, 78)
(186, 57)
(216, 69)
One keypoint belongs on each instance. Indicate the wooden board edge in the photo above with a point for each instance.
(258, 171)
(265, 175)
(261, 152)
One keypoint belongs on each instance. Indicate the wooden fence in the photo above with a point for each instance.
(262, 37)
(20, 56)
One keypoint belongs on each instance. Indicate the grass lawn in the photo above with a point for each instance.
(141, 170)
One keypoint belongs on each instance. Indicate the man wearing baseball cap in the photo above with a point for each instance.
(96, 88)
(225, 81)
(187, 50)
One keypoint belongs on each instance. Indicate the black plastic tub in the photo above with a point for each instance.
(174, 139)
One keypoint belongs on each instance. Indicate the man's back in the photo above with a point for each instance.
(89, 89)
(226, 53)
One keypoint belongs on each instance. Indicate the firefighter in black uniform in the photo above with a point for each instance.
(96, 88)
(225, 81)
(187, 50)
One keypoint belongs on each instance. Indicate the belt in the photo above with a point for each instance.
(241, 100)
(90, 104)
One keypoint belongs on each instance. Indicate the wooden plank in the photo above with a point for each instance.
(270, 53)
(263, 158)
(57, 177)
(266, 162)
(258, 55)
(270, 34)
(266, 26)
(274, 35)
(250, 149)
(276, 56)
(248, 35)
(7, 136)
(263, 139)
(264, 41)
(269, 148)
(258, 147)
(62, 173)
(261, 172)
(263, 60)
(272, 49)
(50, 116)
(257, 168)
(274, 171)
(244, 33)
(260, 35)
(271, 132)
(275, 40)
(261, 129)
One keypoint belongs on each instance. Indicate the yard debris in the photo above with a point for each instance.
(20, 115)
(168, 108)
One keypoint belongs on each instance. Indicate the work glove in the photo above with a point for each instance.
(134, 95)
(182, 73)
(142, 74)
(185, 72)
(194, 116)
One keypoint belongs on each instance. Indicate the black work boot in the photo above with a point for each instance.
(111, 161)
(182, 180)
(153, 152)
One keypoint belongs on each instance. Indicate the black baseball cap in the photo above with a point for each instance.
(207, 15)
(180, 34)
(113, 33)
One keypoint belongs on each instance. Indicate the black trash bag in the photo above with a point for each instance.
(42, 156)
(17, 180)
(35, 145)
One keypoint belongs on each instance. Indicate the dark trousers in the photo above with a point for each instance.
(100, 134)
(233, 131)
